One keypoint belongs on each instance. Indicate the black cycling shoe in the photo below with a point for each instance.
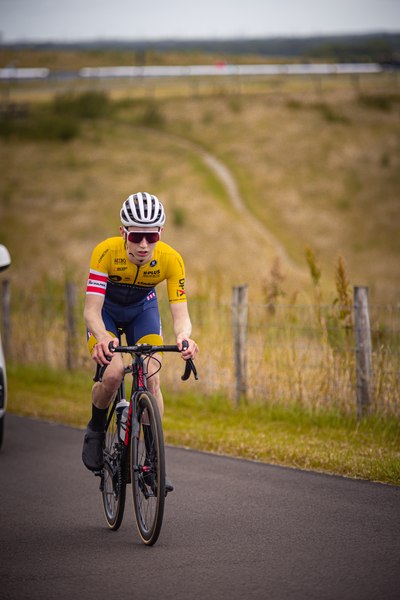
(168, 485)
(150, 480)
(92, 453)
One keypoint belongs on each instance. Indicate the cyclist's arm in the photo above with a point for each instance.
(183, 329)
(94, 323)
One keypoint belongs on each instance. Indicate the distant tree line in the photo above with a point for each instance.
(378, 47)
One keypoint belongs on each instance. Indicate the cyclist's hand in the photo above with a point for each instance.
(101, 352)
(191, 350)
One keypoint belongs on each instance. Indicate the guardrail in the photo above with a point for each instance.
(222, 69)
(11, 74)
(230, 69)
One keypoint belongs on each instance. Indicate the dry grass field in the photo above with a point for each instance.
(316, 161)
(317, 168)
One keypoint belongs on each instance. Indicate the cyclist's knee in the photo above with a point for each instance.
(112, 378)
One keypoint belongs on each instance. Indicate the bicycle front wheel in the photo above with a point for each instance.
(113, 483)
(148, 469)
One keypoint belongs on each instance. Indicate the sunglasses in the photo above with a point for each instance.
(136, 237)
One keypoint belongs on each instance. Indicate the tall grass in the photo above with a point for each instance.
(296, 354)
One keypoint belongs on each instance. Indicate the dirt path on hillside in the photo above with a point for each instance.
(225, 176)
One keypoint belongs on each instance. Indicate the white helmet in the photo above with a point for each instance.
(5, 259)
(143, 210)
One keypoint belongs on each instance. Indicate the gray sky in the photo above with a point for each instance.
(70, 20)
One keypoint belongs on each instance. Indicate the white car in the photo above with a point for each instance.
(5, 261)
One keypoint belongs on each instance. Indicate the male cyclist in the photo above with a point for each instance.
(121, 294)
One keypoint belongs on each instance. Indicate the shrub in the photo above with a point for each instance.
(152, 116)
(87, 105)
(178, 216)
(294, 104)
(378, 102)
(330, 115)
(7, 127)
(53, 127)
(40, 127)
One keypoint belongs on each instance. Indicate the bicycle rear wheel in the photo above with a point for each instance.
(113, 482)
(148, 469)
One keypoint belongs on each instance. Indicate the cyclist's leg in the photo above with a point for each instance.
(102, 395)
(153, 381)
(104, 391)
(153, 376)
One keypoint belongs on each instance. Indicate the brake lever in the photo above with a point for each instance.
(188, 369)
(189, 364)
(101, 368)
(99, 373)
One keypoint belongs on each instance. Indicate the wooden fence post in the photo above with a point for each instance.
(6, 316)
(240, 310)
(365, 380)
(71, 297)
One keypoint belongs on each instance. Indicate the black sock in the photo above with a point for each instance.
(98, 420)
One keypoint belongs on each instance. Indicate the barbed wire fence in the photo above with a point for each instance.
(271, 353)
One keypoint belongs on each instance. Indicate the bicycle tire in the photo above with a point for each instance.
(148, 469)
(113, 481)
(2, 430)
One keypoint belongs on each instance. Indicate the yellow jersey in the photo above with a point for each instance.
(122, 283)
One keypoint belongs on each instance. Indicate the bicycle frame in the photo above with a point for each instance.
(139, 373)
(132, 425)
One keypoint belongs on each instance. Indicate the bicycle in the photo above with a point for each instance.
(134, 447)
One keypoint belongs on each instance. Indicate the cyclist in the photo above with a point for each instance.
(121, 294)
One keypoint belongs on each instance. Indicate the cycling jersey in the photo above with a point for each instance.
(122, 283)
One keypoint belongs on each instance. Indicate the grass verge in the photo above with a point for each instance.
(318, 441)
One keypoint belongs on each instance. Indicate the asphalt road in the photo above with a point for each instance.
(232, 529)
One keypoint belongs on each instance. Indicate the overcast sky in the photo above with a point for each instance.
(71, 20)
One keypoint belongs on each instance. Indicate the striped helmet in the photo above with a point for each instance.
(142, 210)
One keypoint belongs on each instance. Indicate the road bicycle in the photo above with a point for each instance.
(134, 447)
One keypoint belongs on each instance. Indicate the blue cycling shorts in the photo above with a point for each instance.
(140, 322)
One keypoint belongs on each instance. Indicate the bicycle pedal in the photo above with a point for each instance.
(97, 473)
